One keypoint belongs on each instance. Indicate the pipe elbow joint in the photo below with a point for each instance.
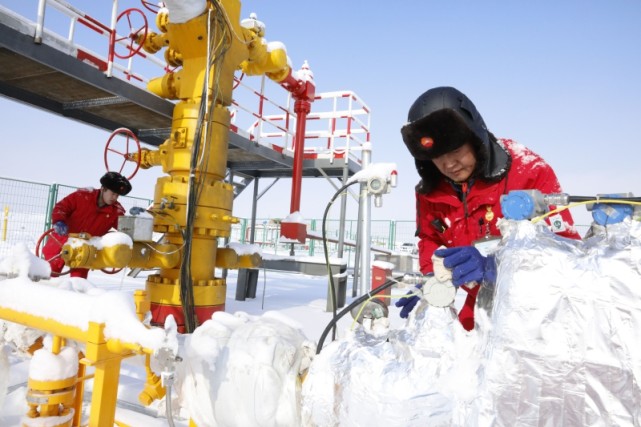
(166, 86)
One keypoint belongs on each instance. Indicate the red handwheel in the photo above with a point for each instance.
(111, 270)
(119, 149)
(152, 7)
(133, 23)
(42, 241)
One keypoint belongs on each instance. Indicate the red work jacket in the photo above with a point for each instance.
(80, 211)
(444, 218)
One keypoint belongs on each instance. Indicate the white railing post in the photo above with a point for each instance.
(112, 38)
(40, 22)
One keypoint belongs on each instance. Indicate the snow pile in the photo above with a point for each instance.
(183, 10)
(4, 374)
(46, 366)
(243, 370)
(22, 263)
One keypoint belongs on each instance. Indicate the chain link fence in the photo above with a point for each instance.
(26, 210)
(26, 215)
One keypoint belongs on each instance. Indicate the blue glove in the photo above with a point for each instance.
(136, 210)
(468, 265)
(408, 303)
(61, 228)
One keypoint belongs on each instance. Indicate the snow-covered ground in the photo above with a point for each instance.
(297, 298)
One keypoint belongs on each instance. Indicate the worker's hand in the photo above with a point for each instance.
(468, 265)
(408, 302)
(61, 228)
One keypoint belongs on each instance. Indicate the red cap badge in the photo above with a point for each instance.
(427, 142)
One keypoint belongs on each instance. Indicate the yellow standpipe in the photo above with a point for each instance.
(196, 82)
(5, 221)
(192, 202)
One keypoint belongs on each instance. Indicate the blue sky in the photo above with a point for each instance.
(562, 77)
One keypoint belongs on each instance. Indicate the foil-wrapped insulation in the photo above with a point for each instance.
(556, 346)
(398, 378)
(563, 334)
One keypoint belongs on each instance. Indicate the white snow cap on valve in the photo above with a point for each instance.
(181, 11)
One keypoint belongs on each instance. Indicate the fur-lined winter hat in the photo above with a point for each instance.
(442, 120)
(115, 182)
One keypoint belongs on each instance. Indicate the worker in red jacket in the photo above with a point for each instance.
(464, 171)
(87, 210)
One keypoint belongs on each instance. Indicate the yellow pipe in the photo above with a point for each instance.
(5, 222)
(44, 324)
(261, 61)
(58, 330)
(79, 254)
(154, 255)
(142, 304)
(57, 344)
(153, 388)
(105, 393)
(166, 86)
(148, 158)
(228, 258)
(80, 391)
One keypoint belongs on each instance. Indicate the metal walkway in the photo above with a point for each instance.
(56, 75)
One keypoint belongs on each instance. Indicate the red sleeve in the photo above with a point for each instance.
(64, 208)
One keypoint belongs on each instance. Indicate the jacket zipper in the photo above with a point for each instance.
(464, 198)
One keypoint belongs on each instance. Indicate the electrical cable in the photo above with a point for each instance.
(603, 198)
(355, 303)
(332, 287)
(199, 158)
(628, 201)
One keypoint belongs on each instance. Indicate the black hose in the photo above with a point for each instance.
(332, 287)
(356, 302)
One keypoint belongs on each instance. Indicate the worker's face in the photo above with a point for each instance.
(457, 165)
(109, 197)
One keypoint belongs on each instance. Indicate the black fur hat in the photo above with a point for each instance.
(115, 182)
(437, 133)
(442, 120)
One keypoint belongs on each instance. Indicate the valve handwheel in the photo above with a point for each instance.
(119, 149)
(129, 21)
(47, 235)
(111, 270)
(152, 7)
